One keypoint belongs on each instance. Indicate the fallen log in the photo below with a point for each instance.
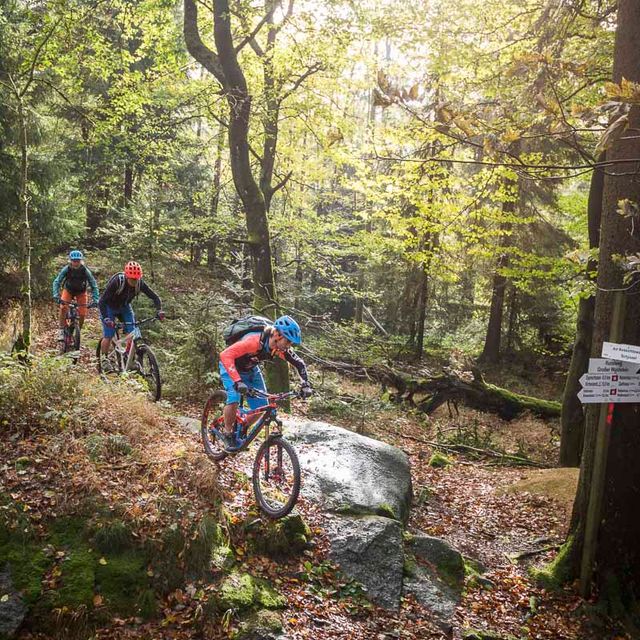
(474, 393)
(427, 391)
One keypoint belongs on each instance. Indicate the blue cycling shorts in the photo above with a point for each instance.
(253, 379)
(125, 314)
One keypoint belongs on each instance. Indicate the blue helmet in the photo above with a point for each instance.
(289, 328)
(75, 255)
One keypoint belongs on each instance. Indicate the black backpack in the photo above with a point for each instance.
(240, 327)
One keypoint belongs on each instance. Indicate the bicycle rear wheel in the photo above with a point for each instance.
(212, 418)
(149, 371)
(276, 477)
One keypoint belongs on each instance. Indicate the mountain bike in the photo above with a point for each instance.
(276, 470)
(130, 355)
(71, 340)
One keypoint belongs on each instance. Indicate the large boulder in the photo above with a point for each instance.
(12, 608)
(349, 473)
(369, 549)
(435, 576)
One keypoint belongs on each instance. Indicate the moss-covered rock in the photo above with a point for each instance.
(482, 634)
(260, 624)
(241, 592)
(222, 558)
(439, 460)
(278, 538)
(200, 546)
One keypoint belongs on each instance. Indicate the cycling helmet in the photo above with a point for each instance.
(289, 328)
(133, 270)
(75, 255)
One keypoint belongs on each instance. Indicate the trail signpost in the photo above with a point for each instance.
(611, 380)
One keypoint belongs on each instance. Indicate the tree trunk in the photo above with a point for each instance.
(572, 414)
(491, 351)
(421, 311)
(127, 192)
(24, 339)
(617, 553)
(215, 199)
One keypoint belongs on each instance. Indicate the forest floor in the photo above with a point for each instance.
(491, 512)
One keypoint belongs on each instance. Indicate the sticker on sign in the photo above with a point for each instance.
(624, 352)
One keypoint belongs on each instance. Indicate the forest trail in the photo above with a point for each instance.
(469, 503)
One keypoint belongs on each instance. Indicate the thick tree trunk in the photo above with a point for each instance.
(617, 554)
(572, 434)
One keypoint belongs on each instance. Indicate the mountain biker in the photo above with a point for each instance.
(239, 367)
(73, 279)
(115, 301)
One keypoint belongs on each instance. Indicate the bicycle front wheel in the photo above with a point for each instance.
(212, 419)
(276, 477)
(149, 370)
(72, 342)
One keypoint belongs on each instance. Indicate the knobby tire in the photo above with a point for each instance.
(212, 447)
(269, 447)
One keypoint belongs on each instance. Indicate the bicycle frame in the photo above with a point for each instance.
(268, 414)
(120, 344)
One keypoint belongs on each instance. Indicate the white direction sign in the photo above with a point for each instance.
(610, 381)
(602, 365)
(624, 352)
(618, 380)
(588, 395)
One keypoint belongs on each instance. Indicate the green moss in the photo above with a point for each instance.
(279, 538)
(122, 580)
(386, 511)
(241, 591)
(28, 564)
(236, 592)
(222, 558)
(559, 571)
(207, 536)
(22, 463)
(409, 566)
(261, 623)
(67, 533)
(267, 596)
(112, 537)
(481, 634)
(439, 460)
(77, 580)
(147, 604)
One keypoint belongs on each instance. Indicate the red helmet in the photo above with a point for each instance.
(133, 270)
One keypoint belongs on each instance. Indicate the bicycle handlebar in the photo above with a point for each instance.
(138, 323)
(277, 397)
(73, 303)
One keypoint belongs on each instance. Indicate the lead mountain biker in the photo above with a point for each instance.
(73, 280)
(115, 302)
(240, 369)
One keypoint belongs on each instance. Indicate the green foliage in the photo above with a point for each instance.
(30, 394)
